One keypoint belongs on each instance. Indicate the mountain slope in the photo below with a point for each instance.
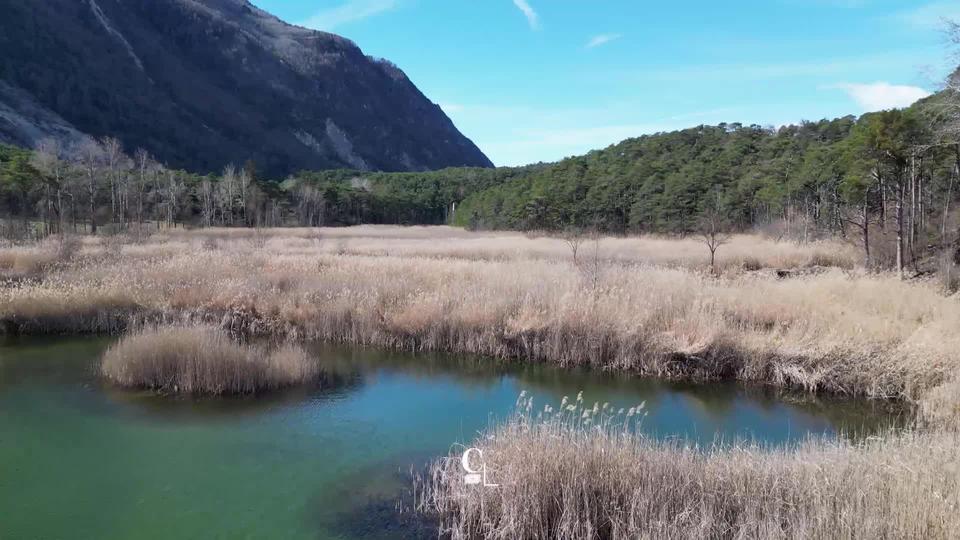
(201, 83)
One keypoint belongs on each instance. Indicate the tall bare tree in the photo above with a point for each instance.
(113, 157)
(714, 231)
(48, 159)
(91, 156)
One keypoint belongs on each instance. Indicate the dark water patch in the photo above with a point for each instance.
(377, 502)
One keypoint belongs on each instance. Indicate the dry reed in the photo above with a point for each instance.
(850, 333)
(642, 305)
(742, 252)
(579, 474)
(203, 360)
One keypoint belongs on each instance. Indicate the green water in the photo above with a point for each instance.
(80, 459)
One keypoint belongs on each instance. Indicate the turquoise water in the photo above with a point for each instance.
(80, 459)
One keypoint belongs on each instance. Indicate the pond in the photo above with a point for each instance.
(81, 459)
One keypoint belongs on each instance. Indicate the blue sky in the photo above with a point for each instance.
(539, 80)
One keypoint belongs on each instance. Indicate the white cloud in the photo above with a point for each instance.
(350, 11)
(881, 96)
(602, 39)
(529, 13)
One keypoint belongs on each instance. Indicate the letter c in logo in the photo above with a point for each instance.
(473, 476)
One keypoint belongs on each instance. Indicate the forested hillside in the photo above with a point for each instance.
(815, 171)
(892, 175)
(883, 180)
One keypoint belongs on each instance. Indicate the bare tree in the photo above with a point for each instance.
(91, 160)
(244, 182)
(859, 217)
(171, 191)
(714, 232)
(311, 205)
(206, 196)
(592, 268)
(574, 238)
(948, 133)
(226, 193)
(114, 156)
(48, 159)
(142, 162)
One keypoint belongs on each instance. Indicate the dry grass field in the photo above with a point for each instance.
(452, 243)
(775, 313)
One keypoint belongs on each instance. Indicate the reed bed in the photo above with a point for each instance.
(582, 473)
(646, 306)
(844, 331)
(203, 360)
(743, 252)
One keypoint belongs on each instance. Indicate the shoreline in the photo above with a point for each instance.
(837, 331)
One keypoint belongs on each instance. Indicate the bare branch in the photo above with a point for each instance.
(714, 232)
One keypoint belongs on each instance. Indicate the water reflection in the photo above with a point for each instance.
(704, 412)
(327, 461)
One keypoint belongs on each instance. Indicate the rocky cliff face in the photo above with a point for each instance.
(203, 83)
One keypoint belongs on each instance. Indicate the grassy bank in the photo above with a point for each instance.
(567, 476)
(203, 360)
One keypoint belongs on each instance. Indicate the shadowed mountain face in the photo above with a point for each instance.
(203, 83)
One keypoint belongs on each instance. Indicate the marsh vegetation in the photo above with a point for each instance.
(581, 472)
(801, 315)
(203, 360)
(641, 305)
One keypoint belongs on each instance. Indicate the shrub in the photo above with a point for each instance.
(7, 259)
(752, 264)
(209, 243)
(203, 360)
(27, 261)
(113, 245)
(67, 247)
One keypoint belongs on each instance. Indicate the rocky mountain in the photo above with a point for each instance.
(203, 83)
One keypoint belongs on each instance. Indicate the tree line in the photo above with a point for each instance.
(97, 186)
(887, 181)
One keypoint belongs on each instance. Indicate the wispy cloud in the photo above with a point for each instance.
(881, 96)
(602, 39)
(532, 18)
(833, 67)
(846, 4)
(350, 11)
(930, 16)
(451, 108)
